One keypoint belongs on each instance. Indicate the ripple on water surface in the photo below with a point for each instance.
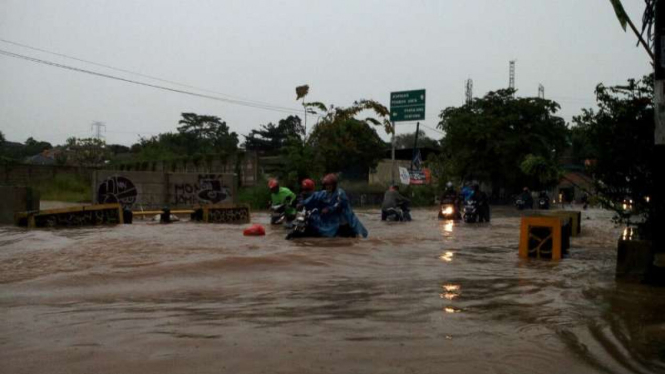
(416, 296)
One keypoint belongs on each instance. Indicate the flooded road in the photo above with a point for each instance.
(419, 297)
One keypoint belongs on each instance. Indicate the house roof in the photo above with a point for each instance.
(576, 178)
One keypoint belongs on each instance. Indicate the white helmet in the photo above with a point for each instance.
(449, 184)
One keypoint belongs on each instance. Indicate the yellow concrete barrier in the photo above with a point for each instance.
(226, 213)
(87, 215)
(541, 237)
(156, 212)
(575, 217)
(216, 213)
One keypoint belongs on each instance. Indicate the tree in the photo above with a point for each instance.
(199, 135)
(208, 133)
(117, 149)
(351, 146)
(272, 138)
(619, 137)
(164, 147)
(299, 163)
(339, 141)
(339, 115)
(648, 21)
(544, 173)
(2, 138)
(301, 92)
(404, 141)
(87, 152)
(489, 139)
(33, 147)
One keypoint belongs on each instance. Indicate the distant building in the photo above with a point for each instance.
(384, 171)
(47, 157)
(573, 185)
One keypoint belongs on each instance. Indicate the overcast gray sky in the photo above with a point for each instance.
(261, 50)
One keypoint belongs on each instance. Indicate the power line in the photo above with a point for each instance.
(229, 101)
(428, 127)
(142, 75)
(433, 129)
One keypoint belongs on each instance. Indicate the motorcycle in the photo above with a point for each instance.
(474, 212)
(524, 203)
(520, 204)
(394, 214)
(471, 211)
(300, 227)
(448, 211)
(278, 214)
(543, 203)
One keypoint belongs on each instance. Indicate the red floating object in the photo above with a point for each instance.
(254, 230)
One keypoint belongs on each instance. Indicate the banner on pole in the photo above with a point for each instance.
(404, 176)
(421, 176)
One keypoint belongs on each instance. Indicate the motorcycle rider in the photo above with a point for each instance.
(393, 199)
(335, 216)
(466, 192)
(527, 198)
(307, 188)
(451, 197)
(483, 203)
(282, 196)
(545, 199)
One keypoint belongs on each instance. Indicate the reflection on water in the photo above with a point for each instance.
(202, 298)
(627, 233)
(451, 291)
(447, 257)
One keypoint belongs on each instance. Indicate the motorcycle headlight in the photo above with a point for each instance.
(447, 210)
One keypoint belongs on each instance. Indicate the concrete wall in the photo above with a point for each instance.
(154, 190)
(244, 163)
(16, 199)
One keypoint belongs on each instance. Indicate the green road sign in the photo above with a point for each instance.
(407, 106)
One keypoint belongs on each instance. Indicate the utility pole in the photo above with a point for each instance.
(415, 144)
(97, 128)
(658, 209)
(511, 76)
(392, 168)
(469, 91)
(541, 91)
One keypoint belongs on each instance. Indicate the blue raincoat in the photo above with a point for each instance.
(339, 213)
(467, 192)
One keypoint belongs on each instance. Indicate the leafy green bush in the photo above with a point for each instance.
(257, 197)
(420, 195)
(66, 187)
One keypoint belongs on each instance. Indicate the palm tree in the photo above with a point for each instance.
(648, 20)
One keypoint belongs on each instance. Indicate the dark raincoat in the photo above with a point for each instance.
(339, 213)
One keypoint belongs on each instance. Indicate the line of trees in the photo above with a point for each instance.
(504, 140)
(500, 139)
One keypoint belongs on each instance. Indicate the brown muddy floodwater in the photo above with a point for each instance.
(418, 297)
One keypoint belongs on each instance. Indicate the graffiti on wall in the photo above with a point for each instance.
(117, 190)
(80, 218)
(229, 215)
(207, 190)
